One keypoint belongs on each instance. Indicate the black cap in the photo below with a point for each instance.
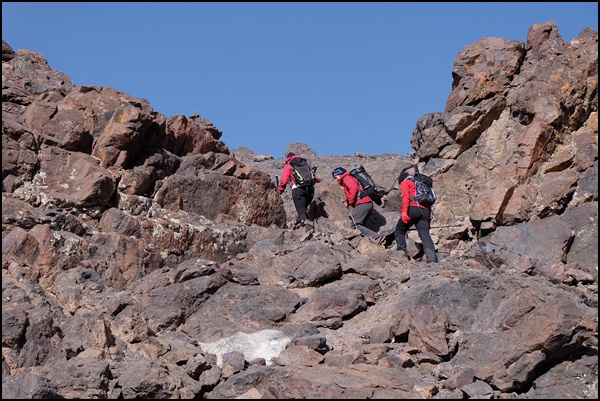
(403, 176)
(290, 155)
(338, 171)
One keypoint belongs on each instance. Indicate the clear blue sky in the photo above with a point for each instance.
(340, 77)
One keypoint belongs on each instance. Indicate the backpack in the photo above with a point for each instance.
(367, 184)
(425, 194)
(303, 174)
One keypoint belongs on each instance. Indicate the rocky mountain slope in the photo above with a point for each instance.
(142, 258)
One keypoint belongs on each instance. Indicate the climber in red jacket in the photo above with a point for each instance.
(413, 213)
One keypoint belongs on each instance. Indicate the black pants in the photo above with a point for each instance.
(419, 217)
(302, 198)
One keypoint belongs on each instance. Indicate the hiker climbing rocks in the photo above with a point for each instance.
(413, 213)
(302, 178)
(362, 203)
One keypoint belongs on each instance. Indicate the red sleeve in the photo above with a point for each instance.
(351, 189)
(407, 187)
(286, 176)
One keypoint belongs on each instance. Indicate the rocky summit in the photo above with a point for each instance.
(143, 258)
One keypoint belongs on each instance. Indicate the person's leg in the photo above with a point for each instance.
(360, 214)
(299, 198)
(310, 195)
(422, 225)
(308, 198)
(367, 232)
(400, 234)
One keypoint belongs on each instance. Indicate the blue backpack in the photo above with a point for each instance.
(425, 194)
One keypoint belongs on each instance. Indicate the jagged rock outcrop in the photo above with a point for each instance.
(141, 258)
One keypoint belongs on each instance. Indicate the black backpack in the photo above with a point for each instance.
(303, 174)
(367, 184)
(425, 194)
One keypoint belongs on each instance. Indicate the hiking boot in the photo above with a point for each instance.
(431, 257)
(380, 240)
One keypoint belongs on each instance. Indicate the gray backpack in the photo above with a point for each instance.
(367, 184)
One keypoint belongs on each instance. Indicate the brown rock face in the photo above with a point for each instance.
(141, 258)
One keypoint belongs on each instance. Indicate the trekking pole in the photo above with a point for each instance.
(351, 217)
(353, 221)
(391, 187)
(446, 226)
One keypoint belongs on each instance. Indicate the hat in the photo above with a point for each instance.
(290, 155)
(338, 171)
(403, 176)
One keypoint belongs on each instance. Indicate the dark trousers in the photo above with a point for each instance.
(420, 218)
(302, 198)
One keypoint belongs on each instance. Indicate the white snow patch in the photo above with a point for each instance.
(266, 344)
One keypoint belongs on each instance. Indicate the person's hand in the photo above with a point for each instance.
(405, 218)
(280, 191)
(319, 179)
(346, 203)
